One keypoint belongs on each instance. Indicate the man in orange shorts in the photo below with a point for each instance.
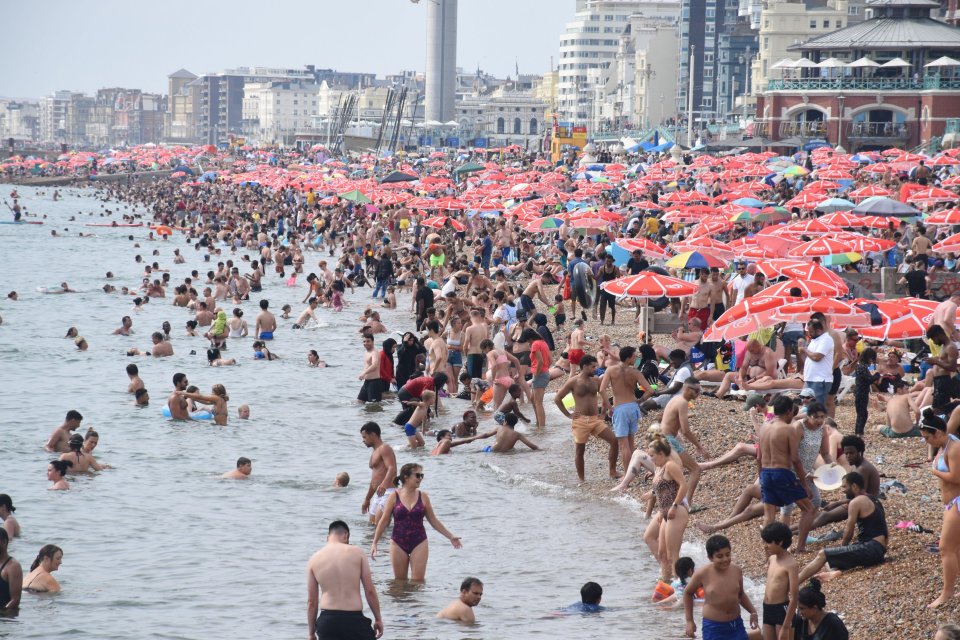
(577, 339)
(586, 416)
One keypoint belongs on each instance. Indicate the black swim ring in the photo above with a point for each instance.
(583, 286)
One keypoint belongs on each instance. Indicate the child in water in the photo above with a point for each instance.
(684, 568)
(418, 421)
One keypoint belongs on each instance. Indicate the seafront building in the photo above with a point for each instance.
(891, 80)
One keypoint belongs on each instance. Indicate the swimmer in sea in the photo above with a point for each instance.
(461, 609)
(313, 359)
(419, 419)
(261, 352)
(176, 403)
(214, 359)
(141, 398)
(10, 524)
(59, 440)
(266, 322)
(242, 472)
(342, 480)
(90, 442)
(445, 442)
(590, 595)
(40, 578)
(56, 471)
(11, 577)
(217, 399)
(133, 372)
(243, 412)
(80, 461)
(81, 343)
(506, 437)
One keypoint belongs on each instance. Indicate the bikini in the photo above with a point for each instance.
(940, 464)
(31, 589)
(408, 530)
(4, 585)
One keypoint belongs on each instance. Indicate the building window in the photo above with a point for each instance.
(766, 43)
(517, 126)
(500, 125)
(533, 126)
(826, 24)
(839, 24)
(708, 73)
(853, 10)
(813, 24)
(711, 12)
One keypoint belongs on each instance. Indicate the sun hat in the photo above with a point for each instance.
(829, 477)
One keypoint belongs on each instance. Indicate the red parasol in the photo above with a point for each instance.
(808, 288)
(650, 285)
(823, 246)
(842, 314)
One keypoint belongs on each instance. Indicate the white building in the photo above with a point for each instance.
(504, 117)
(589, 49)
(18, 120)
(656, 60)
(274, 111)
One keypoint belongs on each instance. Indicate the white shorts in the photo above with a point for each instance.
(377, 502)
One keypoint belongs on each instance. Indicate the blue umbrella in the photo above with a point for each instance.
(753, 203)
(835, 204)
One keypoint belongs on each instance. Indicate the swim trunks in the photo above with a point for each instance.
(475, 365)
(888, 432)
(625, 419)
(344, 625)
(780, 487)
(575, 356)
(541, 380)
(437, 260)
(371, 391)
(702, 314)
(377, 502)
(499, 417)
(674, 443)
(410, 430)
(732, 630)
(266, 335)
(775, 614)
(586, 426)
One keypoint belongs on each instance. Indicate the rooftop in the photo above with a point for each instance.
(888, 33)
(182, 73)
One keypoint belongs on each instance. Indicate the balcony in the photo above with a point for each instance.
(809, 129)
(761, 129)
(952, 126)
(857, 84)
(940, 83)
(878, 130)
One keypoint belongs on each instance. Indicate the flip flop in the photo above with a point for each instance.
(697, 509)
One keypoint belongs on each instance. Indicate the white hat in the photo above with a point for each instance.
(829, 477)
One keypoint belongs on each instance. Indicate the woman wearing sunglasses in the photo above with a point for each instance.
(407, 507)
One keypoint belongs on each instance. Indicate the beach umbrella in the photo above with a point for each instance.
(808, 288)
(399, 176)
(753, 203)
(695, 260)
(705, 245)
(648, 284)
(739, 328)
(710, 227)
(863, 62)
(886, 207)
(948, 245)
(439, 222)
(795, 171)
(838, 259)
(751, 307)
(863, 244)
(823, 246)
(943, 61)
(544, 224)
(470, 167)
(868, 192)
(842, 313)
(932, 194)
(896, 62)
(831, 205)
(806, 227)
(589, 223)
(355, 196)
(947, 216)
(801, 270)
(647, 247)
(909, 327)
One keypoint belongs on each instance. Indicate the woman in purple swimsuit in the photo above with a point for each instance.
(407, 507)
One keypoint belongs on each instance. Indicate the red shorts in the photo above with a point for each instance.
(702, 314)
(575, 356)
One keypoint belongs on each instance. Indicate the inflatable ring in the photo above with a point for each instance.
(163, 230)
(196, 415)
(583, 286)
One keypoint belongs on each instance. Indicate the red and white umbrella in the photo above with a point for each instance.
(650, 285)
(755, 306)
(933, 194)
(808, 289)
(705, 245)
(647, 247)
(948, 245)
(947, 216)
(868, 192)
(908, 327)
(439, 222)
(842, 314)
(823, 246)
(806, 227)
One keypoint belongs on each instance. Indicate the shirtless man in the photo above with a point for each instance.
(477, 332)
(900, 409)
(307, 314)
(161, 347)
(944, 369)
(436, 349)
(376, 326)
(242, 472)
(537, 289)
(60, 439)
(577, 342)
(461, 609)
(176, 402)
(685, 339)
(372, 389)
(586, 420)
(383, 469)
(700, 305)
(781, 469)
(266, 322)
(334, 577)
(204, 316)
(676, 420)
(622, 380)
(125, 328)
(133, 372)
(759, 284)
(719, 294)
(759, 363)
(506, 436)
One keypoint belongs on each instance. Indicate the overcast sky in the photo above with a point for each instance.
(65, 44)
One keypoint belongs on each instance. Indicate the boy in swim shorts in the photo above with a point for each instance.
(722, 583)
(418, 420)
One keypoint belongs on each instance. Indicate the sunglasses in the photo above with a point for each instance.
(419, 476)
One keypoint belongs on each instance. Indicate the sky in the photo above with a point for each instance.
(90, 45)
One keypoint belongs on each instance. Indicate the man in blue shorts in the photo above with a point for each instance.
(781, 469)
(622, 379)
